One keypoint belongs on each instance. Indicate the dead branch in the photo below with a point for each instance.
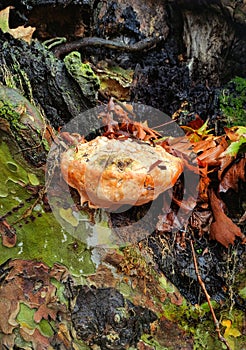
(216, 322)
(142, 45)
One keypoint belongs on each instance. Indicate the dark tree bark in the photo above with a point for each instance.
(43, 76)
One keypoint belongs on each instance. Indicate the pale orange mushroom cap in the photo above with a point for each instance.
(108, 173)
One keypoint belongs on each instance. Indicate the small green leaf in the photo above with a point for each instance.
(60, 290)
(4, 19)
(242, 293)
(236, 147)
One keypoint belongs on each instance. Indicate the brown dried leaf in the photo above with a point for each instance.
(40, 342)
(24, 33)
(235, 173)
(44, 311)
(18, 33)
(201, 220)
(211, 155)
(203, 188)
(103, 278)
(223, 229)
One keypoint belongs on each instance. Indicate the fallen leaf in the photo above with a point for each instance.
(203, 188)
(40, 342)
(196, 135)
(29, 300)
(234, 133)
(236, 147)
(231, 178)
(223, 229)
(230, 331)
(103, 278)
(24, 33)
(210, 156)
(201, 220)
(21, 32)
(196, 123)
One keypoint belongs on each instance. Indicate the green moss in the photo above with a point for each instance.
(83, 74)
(8, 112)
(233, 101)
(197, 320)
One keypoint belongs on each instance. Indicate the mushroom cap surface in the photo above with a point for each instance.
(108, 173)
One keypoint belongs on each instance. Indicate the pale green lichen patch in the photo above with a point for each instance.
(11, 172)
(39, 235)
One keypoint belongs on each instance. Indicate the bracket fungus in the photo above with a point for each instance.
(108, 173)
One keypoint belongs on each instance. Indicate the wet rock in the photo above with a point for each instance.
(103, 317)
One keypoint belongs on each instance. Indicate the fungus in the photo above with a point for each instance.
(108, 173)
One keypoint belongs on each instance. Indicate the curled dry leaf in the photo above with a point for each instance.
(201, 220)
(210, 155)
(223, 229)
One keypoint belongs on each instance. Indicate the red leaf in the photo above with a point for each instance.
(196, 123)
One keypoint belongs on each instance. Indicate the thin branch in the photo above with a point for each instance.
(216, 322)
(142, 45)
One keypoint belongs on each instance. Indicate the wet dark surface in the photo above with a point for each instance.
(104, 317)
(217, 266)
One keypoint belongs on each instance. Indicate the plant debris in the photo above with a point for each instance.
(21, 32)
(103, 316)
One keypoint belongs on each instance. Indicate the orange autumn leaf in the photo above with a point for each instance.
(210, 156)
(223, 229)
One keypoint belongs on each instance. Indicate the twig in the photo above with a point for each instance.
(141, 45)
(216, 322)
(29, 210)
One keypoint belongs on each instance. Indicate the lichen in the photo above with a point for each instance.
(39, 235)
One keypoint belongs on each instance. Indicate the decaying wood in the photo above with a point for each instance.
(41, 76)
(139, 46)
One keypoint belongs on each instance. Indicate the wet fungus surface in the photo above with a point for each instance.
(112, 172)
